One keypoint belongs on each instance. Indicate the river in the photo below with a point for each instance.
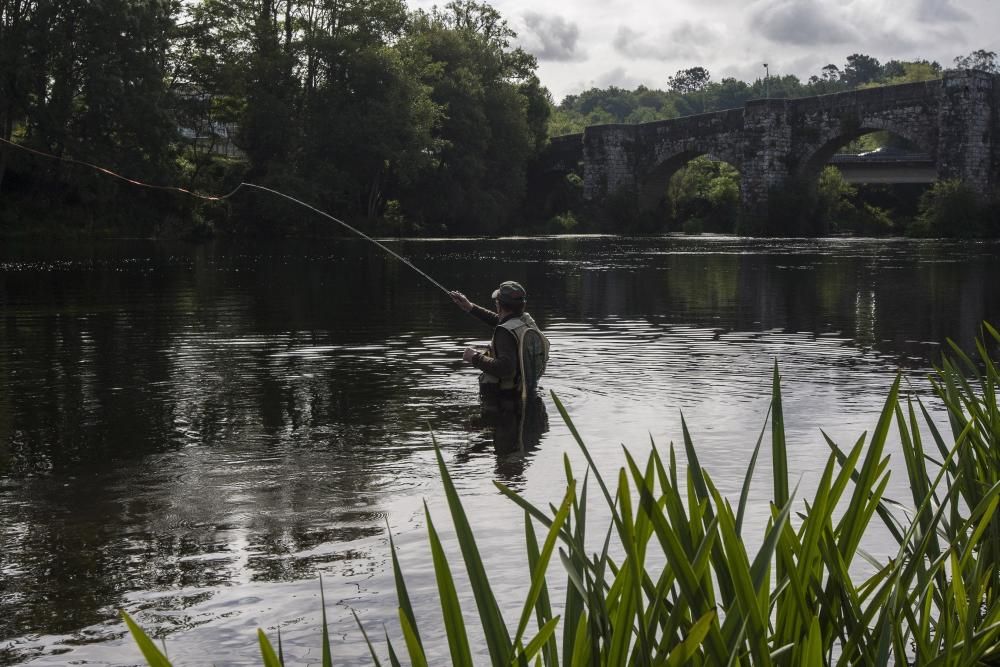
(196, 433)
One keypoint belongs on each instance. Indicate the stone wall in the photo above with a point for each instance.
(953, 119)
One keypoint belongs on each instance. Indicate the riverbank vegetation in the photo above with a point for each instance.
(685, 589)
(405, 121)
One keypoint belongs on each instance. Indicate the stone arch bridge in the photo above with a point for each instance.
(954, 120)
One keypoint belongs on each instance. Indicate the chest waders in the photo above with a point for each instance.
(532, 357)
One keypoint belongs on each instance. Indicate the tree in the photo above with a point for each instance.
(830, 80)
(910, 72)
(689, 80)
(706, 190)
(96, 88)
(492, 125)
(266, 128)
(833, 200)
(980, 59)
(861, 69)
(728, 94)
(15, 22)
(617, 102)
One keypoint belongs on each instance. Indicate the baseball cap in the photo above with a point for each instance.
(510, 292)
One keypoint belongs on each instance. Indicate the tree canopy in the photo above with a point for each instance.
(419, 121)
(360, 106)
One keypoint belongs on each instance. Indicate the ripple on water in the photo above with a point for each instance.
(198, 433)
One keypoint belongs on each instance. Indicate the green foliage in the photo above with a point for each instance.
(612, 105)
(620, 213)
(834, 195)
(830, 205)
(912, 72)
(351, 105)
(980, 59)
(838, 209)
(687, 591)
(705, 190)
(563, 223)
(495, 115)
(874, 221)
(693, 226)
(790, 212)
(950, 208)
(861, 69)
(689, 80)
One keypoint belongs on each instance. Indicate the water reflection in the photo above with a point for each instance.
(184, 430)
(512, 429)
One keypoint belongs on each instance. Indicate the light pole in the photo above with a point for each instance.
(766, 77)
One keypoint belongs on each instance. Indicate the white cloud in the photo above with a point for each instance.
(617, 77)
(940, 10)
(801, 22)
(551, 37)
(644, 41)
(685, 41)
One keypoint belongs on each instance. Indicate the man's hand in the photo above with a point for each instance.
(469, 354)
(461, 301)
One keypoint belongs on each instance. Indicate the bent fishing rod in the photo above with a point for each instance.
(244, 184)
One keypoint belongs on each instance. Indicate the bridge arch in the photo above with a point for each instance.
(653, 187)
(836, 138)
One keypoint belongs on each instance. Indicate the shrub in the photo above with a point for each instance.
(694, 226)
(563, 223)
(949, 208)
(834, 209)
(873, 221)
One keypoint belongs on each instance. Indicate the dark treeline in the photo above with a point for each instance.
(411, 122)
(358, 106)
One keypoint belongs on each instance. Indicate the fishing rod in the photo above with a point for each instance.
(244, 184)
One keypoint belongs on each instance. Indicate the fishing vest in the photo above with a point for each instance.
(532, 356)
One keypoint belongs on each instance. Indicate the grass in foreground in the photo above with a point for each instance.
(793, 602)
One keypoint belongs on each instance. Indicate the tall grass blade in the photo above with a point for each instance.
(413, 645)
(154, 657)
(327, 655)
(401, 593)
(454, 624)
(745, 490)
(538, 573)
(779, 453)
(497, 638)
(368, 642)
(267, 653)
(543, 608)
(687, 649)
(544, 636)
(393, 658)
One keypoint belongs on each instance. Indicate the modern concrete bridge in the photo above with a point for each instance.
(904, 167)
(954, 120)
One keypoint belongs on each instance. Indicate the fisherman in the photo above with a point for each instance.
(518, 352)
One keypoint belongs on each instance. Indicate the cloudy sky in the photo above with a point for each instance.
(585, 43)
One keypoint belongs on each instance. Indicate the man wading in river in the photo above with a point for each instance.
(518, 352)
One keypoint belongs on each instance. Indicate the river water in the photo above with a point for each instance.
(196, 433)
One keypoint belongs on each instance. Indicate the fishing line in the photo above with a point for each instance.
(229, 194)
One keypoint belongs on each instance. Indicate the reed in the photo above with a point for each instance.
(688, 592)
